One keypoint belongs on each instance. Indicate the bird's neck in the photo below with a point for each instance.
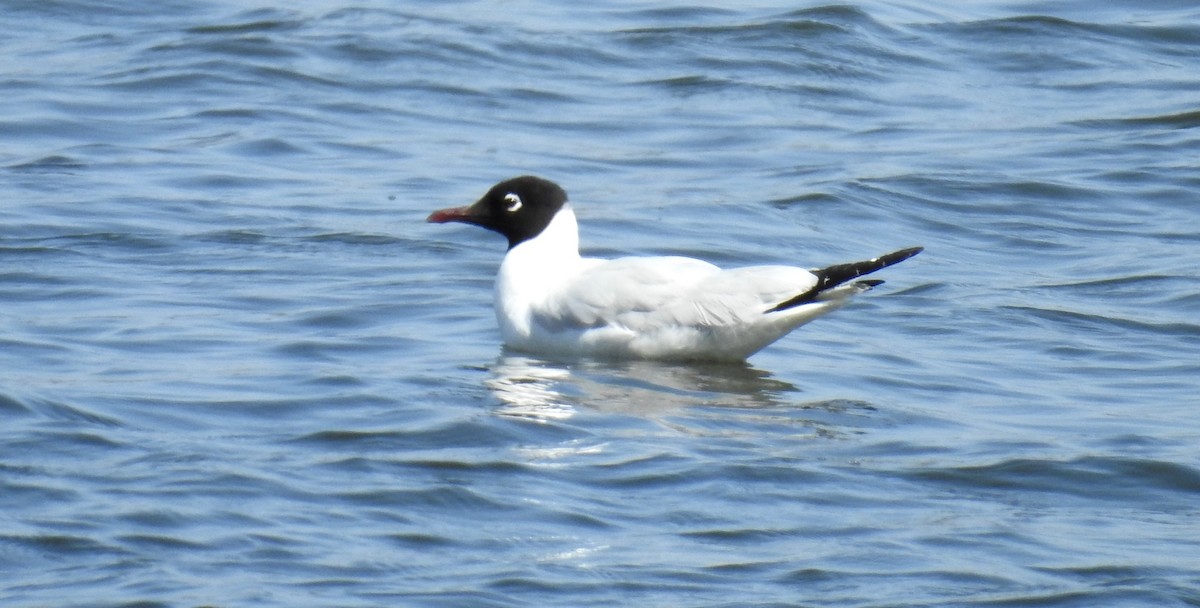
(533, 271)
(555, 247)
(537, 266)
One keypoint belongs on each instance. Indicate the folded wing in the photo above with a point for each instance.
(643, 294)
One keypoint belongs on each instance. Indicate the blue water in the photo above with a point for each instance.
(238, 369)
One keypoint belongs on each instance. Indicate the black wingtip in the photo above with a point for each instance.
(903, 254)
(832, 276)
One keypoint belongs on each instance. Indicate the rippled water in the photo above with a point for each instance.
(236, 367)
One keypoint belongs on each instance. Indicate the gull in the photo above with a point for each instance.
(550, 300)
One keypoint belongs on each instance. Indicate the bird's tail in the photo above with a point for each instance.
(832, 276)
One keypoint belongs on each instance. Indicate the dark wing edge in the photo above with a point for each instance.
(832, 276)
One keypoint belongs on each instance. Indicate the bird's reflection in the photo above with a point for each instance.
(543, 389)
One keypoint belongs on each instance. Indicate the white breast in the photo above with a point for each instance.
(532, 271)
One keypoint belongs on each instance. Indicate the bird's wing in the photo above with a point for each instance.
(647, 293)
(610, 289)
(739, 296)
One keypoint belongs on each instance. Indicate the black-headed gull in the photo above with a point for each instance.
(550, 300)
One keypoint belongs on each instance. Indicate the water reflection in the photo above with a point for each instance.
(530, 387)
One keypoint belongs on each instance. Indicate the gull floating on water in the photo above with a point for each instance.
(550, 300)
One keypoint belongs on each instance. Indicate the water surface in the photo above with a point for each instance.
(237, 368)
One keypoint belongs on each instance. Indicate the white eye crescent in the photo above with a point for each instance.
(514, 202)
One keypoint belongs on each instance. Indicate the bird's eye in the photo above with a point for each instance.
(514, 202)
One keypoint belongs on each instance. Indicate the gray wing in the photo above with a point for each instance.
(739, 296)
(643, 293)
(612, 289)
